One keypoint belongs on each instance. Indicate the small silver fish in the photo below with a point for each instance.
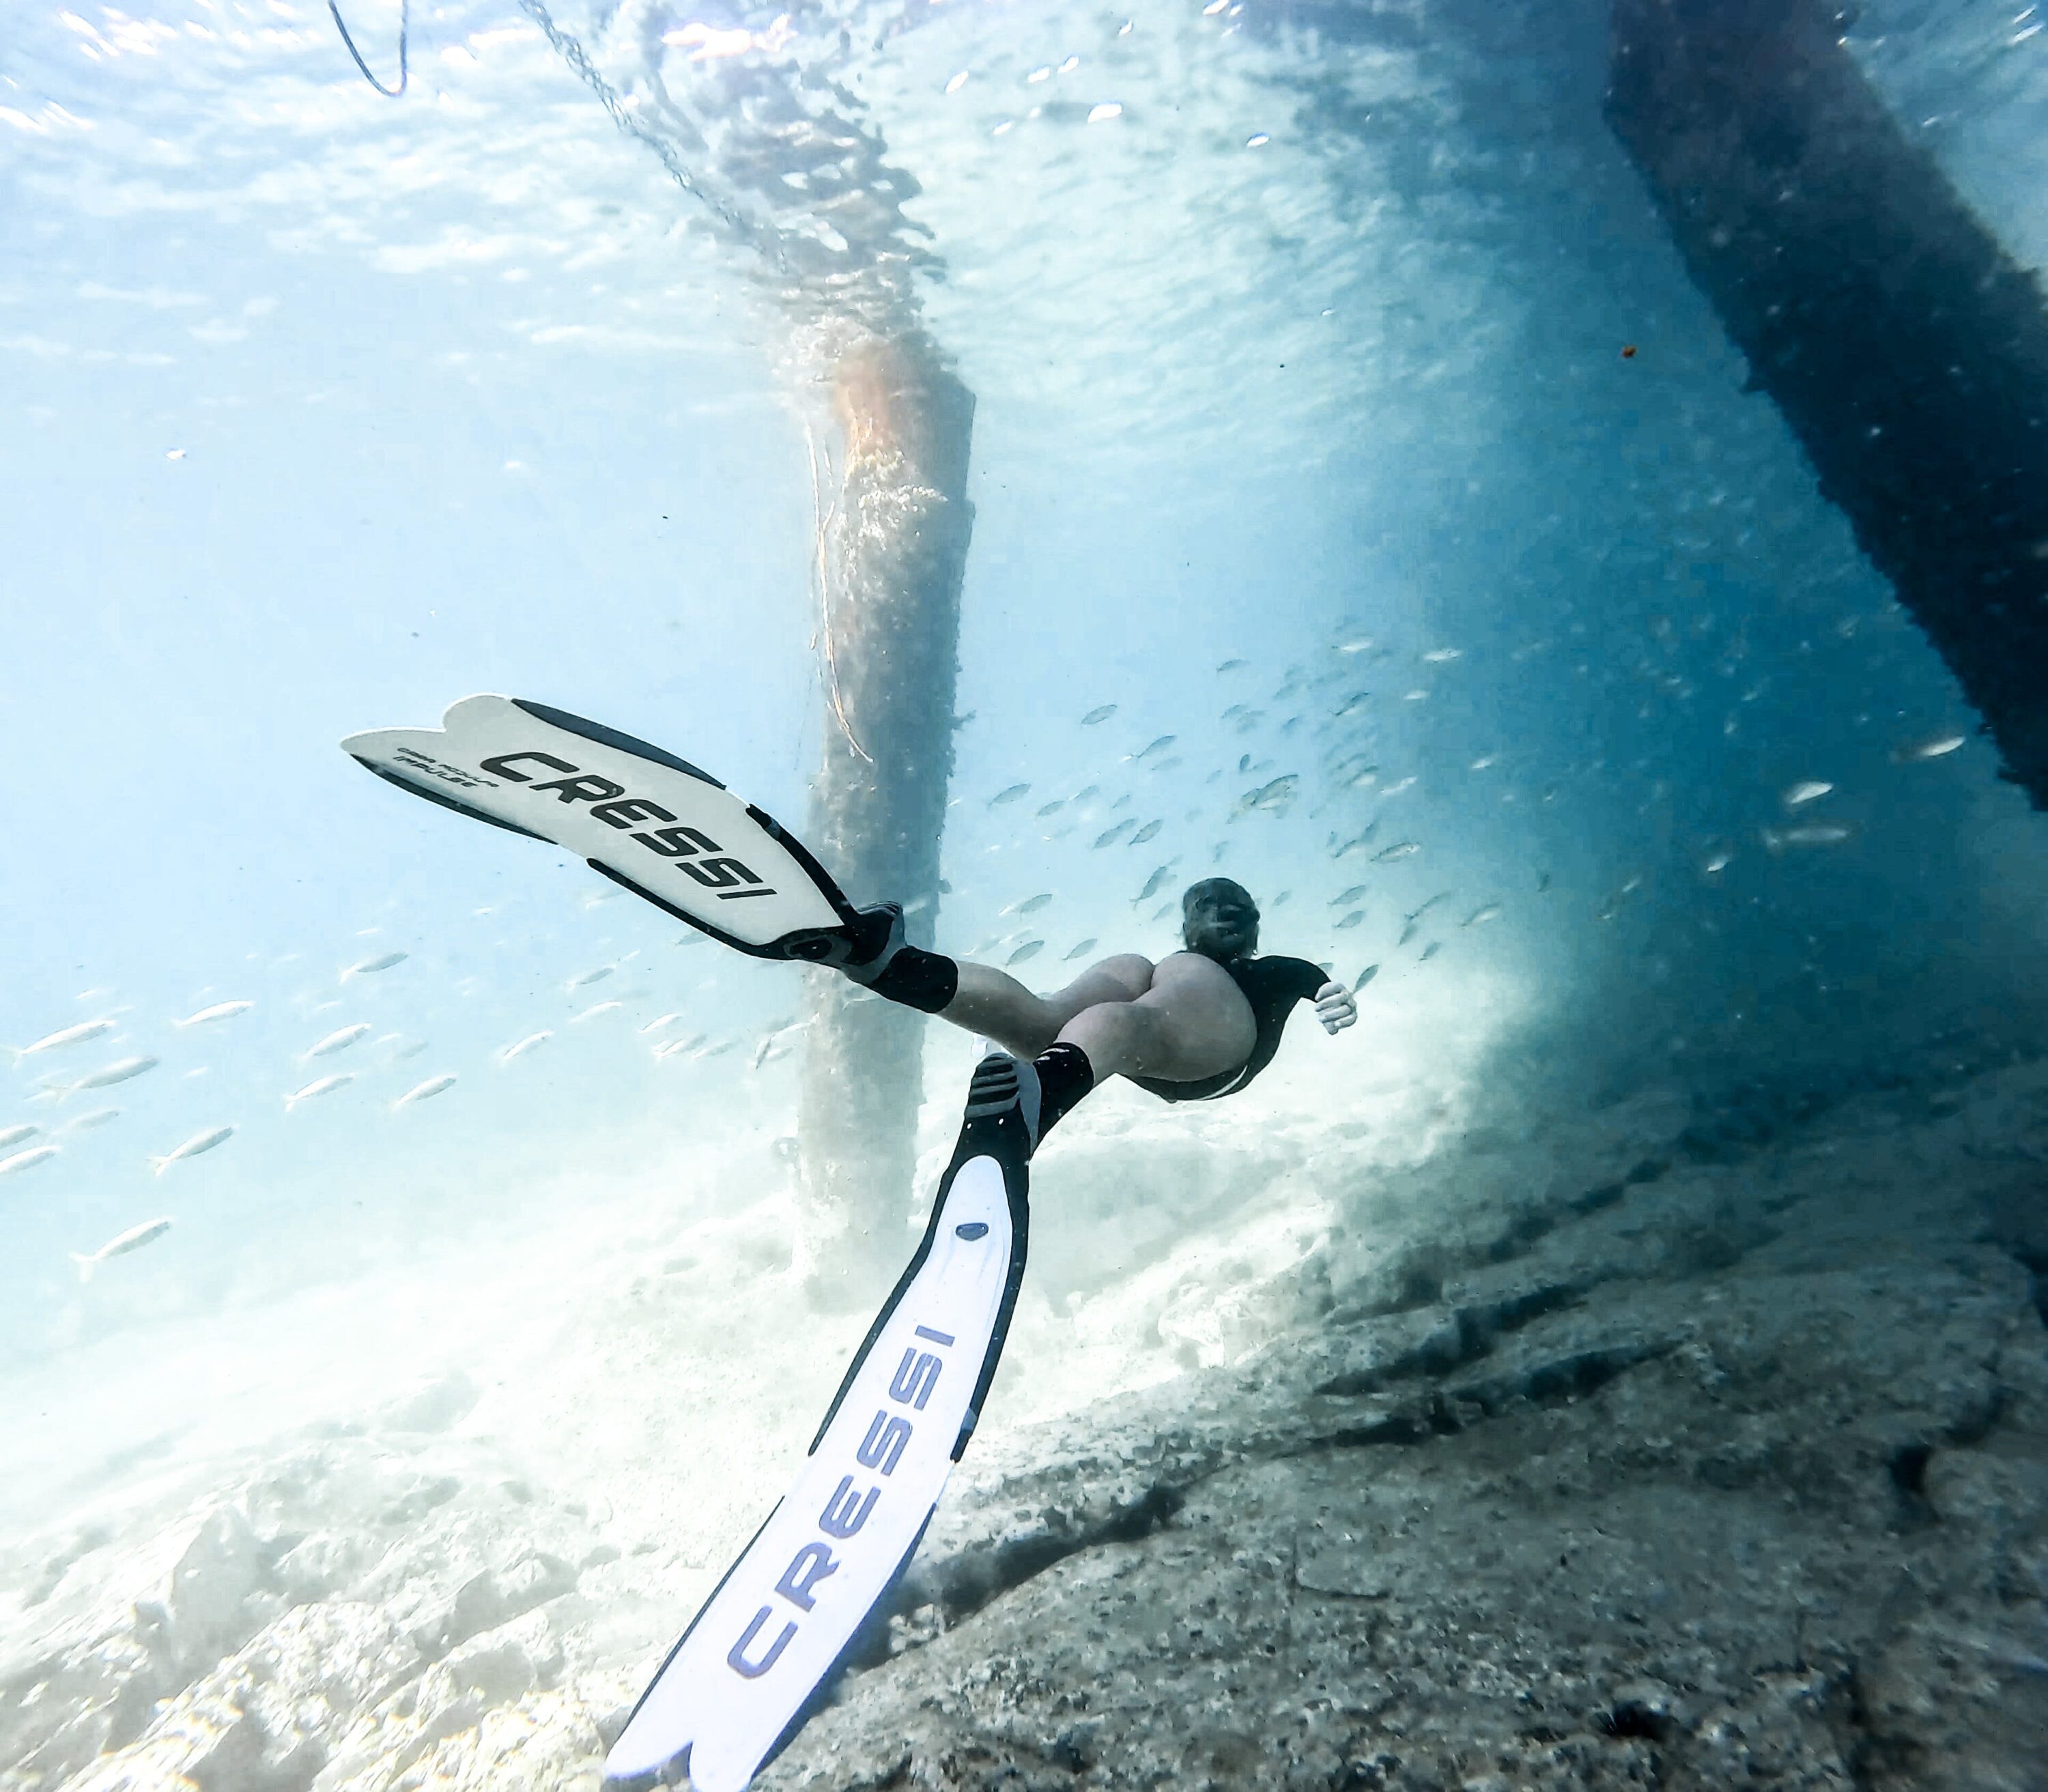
(1716, 861)
(1479, 915)
(219, 1011)
(98, 1117)
(324, 1085)
(1485, 760)
(1101, 712)
(1085, 792)
(1350, 920)
(1009, 795)
(1030, 948)
(1806, 790)
(1085, 946)
(65, 1036)
(425, 1092)
(1810, 833)
(338, 1041)
(1110, 835)
(119, 1246)
(1934, 746)
(594, 1010)
(584, 979)
(1233, 665)
(532, 1039)
(1154, 883)
(27, 1160)
(1365, 977)
(1158, 745)
(13, 1135)
(369, 967)
(1031, 905)
(1409, 932)
(1440, 656)
(108, 1075)
(1350, 895)
(1052, 807)
(1431, 950)
(1149, 831)
(1402, 849)
(1357, 700)
(197, 1145)
(1272, 798)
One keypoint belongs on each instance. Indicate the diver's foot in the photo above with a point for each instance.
(872, 950)
(1039, 1091)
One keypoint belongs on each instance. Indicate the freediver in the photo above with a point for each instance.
(1198, 1025)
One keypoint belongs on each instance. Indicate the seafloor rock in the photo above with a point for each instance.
(1736, 1476)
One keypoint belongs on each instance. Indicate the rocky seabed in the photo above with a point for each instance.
(1694, 1445)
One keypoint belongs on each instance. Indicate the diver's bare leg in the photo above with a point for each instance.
(994, 1004)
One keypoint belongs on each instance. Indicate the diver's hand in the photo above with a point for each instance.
(1335, 1007)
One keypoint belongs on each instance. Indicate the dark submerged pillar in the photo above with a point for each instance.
(892, 555)
(1908, 352)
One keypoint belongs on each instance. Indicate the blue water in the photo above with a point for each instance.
(1297, 336)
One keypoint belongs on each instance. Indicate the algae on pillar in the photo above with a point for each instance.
(892, 549)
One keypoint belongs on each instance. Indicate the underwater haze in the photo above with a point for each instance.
(1618, 1358)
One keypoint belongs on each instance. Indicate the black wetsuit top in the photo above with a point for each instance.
(1272, 986)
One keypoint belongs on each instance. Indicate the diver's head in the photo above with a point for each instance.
(1220, 919)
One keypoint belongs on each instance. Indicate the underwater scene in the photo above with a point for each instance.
(994, 893)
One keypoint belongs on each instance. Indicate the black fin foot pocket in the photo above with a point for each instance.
(1005, 1085)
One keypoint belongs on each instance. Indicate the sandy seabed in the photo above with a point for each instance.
(1690, 1441)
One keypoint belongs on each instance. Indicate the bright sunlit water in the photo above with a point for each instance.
(1306, 436)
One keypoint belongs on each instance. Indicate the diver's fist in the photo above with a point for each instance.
(1335, 1007)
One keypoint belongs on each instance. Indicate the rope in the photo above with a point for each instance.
(405, 21)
